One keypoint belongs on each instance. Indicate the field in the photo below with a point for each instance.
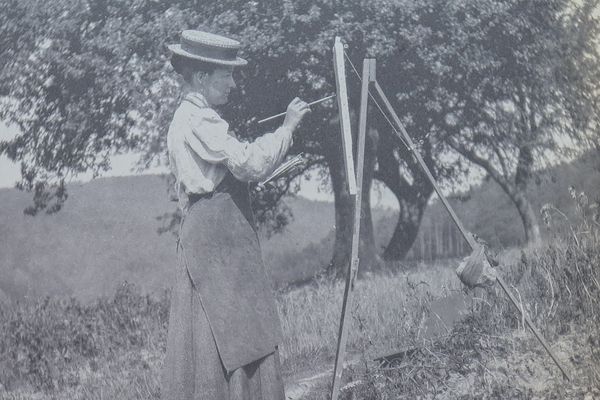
(112, 348)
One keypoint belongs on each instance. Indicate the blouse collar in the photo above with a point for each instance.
(197, 99)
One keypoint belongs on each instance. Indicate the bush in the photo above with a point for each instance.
(38, 340)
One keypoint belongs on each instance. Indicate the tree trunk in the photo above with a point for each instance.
(406, 230)
(516, 190)
(519, 197)
(344, 209)
(528, 217)
(412, 198)
(369, 259)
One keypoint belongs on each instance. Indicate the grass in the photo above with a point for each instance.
(385, 316)
(113, 348)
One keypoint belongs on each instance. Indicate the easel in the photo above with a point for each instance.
(355, 190)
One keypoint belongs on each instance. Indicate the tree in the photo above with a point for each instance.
(74, 90)
(502, 83)
(524, 80)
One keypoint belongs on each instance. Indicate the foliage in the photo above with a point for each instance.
(523, 89)
(42, 339)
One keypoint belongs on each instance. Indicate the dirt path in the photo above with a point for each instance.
(303, 383)
(302, 387)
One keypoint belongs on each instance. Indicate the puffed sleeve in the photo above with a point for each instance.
(210, 140)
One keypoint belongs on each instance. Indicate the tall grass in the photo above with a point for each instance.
(558, 282)
(386, 314)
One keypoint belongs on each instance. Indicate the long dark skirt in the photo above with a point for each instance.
(193, 369)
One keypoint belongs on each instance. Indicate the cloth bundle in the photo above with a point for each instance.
(475, 270)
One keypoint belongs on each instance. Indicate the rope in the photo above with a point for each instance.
(398, 135)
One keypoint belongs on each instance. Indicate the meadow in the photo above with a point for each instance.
(112, 348)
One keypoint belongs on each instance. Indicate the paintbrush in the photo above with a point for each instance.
(283, 113)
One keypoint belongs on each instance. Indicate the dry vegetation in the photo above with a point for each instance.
(112, 348)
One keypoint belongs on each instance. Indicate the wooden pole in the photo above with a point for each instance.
(351, 276)
(342, 98)
(468, 237)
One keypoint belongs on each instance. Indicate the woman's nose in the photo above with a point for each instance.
(232, 83)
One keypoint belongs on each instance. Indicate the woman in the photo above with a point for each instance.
(223, 323)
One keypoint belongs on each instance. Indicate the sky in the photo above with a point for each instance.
(9, 172)
(123, 165)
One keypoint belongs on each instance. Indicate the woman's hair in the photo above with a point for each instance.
(186, 67)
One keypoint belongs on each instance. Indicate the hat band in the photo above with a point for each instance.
(203, 50)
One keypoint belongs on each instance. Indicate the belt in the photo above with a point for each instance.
(224, 186)
(194, 197)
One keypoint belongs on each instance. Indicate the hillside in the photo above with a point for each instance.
(107, 233)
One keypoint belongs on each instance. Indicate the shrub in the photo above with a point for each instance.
(39, 339)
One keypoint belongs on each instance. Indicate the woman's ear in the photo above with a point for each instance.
(198, 78)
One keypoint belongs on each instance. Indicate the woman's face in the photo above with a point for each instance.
(217, 85)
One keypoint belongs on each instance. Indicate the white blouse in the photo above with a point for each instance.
(201, 149)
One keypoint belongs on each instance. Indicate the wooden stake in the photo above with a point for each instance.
(342, 97)
(353, 267)
(468, 237)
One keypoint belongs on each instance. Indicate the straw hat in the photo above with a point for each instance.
(208, 47)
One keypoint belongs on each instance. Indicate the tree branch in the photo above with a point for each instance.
(472, 156)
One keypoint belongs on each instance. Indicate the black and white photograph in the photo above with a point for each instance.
(299, 200)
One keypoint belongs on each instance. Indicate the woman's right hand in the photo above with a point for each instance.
(294, 114)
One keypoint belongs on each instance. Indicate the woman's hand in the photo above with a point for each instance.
(294, 114)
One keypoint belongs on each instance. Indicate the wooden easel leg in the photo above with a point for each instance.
(339, 68)
(353, 268)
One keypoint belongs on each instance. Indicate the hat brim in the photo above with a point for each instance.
(238, 62)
